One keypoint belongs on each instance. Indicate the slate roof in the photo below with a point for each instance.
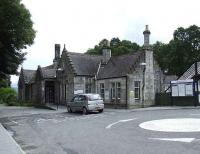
(49, 67)
(84, 64)
(119, 66)
(48, 73)
(169, 78)
(28, 75)
(189, 74)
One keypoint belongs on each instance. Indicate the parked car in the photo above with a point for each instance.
(86, 103)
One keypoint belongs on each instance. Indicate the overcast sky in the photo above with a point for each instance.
(80, 24)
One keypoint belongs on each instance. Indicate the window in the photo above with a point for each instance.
(82, 98)
(88, 88)
(118, 90)
(102, 90)
(115, 90)
(93, 97)
(137, 89)
(75, 99)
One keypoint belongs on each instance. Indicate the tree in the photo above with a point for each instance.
(117, 46)
(16, 33)
(181, 52)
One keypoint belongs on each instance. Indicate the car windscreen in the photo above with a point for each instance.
(94, 97)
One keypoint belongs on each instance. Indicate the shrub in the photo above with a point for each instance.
(8, 96)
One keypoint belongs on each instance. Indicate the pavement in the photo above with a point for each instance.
(9, 146)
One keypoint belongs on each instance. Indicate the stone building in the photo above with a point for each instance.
(126, 81)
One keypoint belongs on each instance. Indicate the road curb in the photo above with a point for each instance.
(12, 141)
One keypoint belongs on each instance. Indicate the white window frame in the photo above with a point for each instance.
(102, 90)
(137, 88)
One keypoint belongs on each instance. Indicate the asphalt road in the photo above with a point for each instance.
(111, 132)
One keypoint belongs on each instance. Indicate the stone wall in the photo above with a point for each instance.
(107, 92)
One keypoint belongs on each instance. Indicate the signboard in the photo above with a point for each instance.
(174, 90)
(188, 90)
(182, 88)
(78, 92)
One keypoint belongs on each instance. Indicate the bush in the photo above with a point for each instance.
(24, 103)
(8, 96)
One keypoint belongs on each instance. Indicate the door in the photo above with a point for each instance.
(49, 92)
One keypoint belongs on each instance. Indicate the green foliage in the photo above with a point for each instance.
(8, 96)
(181, 52)
(24, 103)
(117, 46)
(16, 31)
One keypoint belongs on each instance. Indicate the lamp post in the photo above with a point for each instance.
(58, 73)
(196, 89)
(143, 81)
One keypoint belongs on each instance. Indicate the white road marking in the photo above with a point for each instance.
(63, 119)
(126, 120)
(14, 122)
(43, 120)
(195, 114)
(186, 140)
(173, 125)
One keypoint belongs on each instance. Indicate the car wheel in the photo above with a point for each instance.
(100, 110)
(85, 111)
(69, 109)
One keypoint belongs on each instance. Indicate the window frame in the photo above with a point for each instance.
(137, 89)
(102, 90)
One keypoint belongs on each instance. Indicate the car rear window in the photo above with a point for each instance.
(94, 97)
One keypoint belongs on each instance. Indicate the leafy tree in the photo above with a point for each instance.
(181, 52)
(117, 46)
(16, 32)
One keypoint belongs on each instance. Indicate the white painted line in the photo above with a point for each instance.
(186, 140)
(126, 120)
(14, 122)
(195, 114)
(42, 120)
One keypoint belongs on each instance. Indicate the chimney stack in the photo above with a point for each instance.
(106, 51)
(57, 52)
(146, 36)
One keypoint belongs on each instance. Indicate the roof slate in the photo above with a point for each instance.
(189, 74)
(119, 66)
(48, 73)
(85, 64)
(28, 75)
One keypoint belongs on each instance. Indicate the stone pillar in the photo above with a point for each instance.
(149, 90)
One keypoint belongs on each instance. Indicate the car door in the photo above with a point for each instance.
(73, 103)
(80, 102)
